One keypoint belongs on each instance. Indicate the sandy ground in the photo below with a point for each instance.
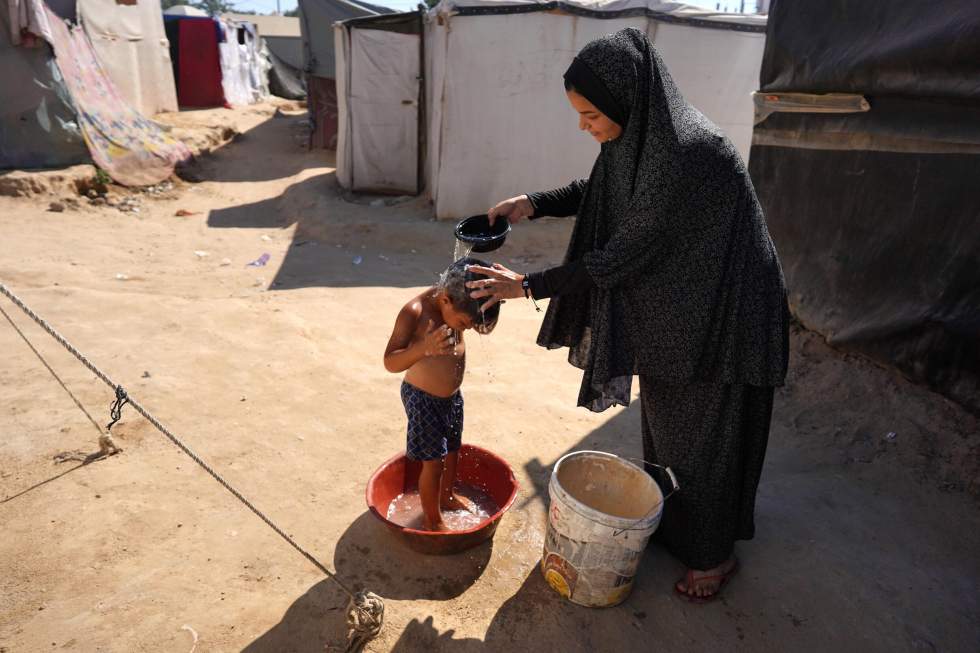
(866, 541)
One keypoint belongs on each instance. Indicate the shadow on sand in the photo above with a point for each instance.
(281, 133)
(368, 556)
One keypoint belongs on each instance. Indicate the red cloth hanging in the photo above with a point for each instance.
(199, 74)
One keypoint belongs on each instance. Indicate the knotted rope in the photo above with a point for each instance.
(365, 610)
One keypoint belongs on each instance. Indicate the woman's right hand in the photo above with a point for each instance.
(514, 210)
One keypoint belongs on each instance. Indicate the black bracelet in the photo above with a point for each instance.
(526, 285)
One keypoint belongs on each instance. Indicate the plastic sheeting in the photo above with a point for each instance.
(287, 49)
(316, 22)
(875, 214)
(244, 70)
(284, 80)
(133, 150)
(38, 128)
(499, 123)
(876, 47)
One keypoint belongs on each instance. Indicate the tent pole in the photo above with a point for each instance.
(420, 160)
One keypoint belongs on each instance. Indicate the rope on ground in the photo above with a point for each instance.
(107, 446)
(365, 611)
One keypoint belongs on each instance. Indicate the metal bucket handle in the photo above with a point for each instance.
(674, 487)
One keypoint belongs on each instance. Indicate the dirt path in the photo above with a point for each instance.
(866, 541)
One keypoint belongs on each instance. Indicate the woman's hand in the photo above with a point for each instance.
(499, 285)
(515, 209)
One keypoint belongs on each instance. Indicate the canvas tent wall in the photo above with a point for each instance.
(874, 208)
(498, 122)
(316, 23)
(132, 46)
(382, 116)
(119, 139)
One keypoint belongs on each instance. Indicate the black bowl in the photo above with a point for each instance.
(477, 232)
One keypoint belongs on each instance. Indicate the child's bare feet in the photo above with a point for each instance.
(439, 526)
(456, 502)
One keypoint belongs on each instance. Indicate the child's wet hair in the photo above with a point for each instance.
(453, 283)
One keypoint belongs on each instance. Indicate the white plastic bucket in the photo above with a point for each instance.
(603, 511)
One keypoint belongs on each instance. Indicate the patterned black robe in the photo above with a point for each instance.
(671, 275)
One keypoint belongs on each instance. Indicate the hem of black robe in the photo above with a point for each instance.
(700, 565)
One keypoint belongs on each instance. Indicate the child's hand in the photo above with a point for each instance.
(439, 341)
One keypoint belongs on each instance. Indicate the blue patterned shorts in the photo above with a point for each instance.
(435, 424)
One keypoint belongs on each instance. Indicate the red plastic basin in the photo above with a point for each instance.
(477, 467)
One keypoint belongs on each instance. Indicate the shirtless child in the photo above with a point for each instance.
(427, 344)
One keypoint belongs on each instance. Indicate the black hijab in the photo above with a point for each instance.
(687, 282)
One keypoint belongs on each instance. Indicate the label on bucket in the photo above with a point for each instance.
(560, 574)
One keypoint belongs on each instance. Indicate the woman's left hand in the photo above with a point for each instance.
(499, 285)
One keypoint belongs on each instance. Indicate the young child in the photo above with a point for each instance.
(427, 344)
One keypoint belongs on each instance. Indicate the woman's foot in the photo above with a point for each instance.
(702, 586)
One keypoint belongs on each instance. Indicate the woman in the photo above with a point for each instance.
(670, 275)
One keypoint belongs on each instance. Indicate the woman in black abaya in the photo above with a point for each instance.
(671, 276)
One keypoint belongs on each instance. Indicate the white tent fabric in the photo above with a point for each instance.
(281, 34)
(244, 68)
(676, 9)
(498, 122)
(27, 15)
(133, 48)
(185, 10)
(381, 108)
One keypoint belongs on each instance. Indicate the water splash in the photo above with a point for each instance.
(406, 510)
(461, 250)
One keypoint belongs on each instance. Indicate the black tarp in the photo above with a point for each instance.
(879, 47)
(876, 215)
(284, 80)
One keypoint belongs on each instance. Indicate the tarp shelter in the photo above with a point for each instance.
(284, 40)
(496, 120)
(38, 123)
(42, 45)
(216, 62)
(866, 159)
(130, 41)
(316, 23)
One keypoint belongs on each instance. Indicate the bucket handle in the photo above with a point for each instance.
(674, 487)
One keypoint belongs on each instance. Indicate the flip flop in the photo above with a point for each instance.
(691, 580)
